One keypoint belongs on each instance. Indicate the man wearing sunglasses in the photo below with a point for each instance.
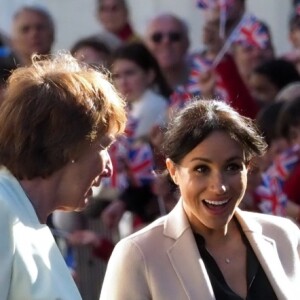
(167, 39)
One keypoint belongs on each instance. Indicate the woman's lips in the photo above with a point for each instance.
(216, 206)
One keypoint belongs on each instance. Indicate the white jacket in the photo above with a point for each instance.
(31, 265)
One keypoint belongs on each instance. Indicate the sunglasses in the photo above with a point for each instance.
(172, 36)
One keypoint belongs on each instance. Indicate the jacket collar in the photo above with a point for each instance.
(266, 252)
(184, 254)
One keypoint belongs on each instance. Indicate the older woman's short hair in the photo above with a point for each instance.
(53, 110)
(191, 125)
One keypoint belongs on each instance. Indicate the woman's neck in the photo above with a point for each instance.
(39, 196)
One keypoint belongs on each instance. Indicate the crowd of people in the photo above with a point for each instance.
(201, 148)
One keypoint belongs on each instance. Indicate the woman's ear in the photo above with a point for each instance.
(172, 169)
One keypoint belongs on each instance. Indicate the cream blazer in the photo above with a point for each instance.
(162, 260)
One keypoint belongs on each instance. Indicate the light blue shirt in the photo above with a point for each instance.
(31, 265)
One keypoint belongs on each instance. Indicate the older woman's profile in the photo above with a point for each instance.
(56, 122)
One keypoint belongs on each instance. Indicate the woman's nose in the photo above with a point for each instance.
(218, 185)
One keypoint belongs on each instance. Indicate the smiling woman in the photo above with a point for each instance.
(56, 122)
(206, 247)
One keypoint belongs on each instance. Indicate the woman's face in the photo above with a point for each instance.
(248, 57)
(91, 56)
(77, 178)
(212, 180)
(112, 15)
(262, 89)
(130, 79)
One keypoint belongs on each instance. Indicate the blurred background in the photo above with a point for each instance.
(77, 18)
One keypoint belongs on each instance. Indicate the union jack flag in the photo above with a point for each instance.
(132, 162)
(131, 126)
(272, 199)
(118, 154)
(208, 4)
(184, 93)
(252, 32)
(179, 98)
(199, 65)
(140, 163)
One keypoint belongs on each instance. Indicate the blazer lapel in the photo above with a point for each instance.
(266, 252)
(185, 258)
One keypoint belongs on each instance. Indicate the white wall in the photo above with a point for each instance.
(76, 18)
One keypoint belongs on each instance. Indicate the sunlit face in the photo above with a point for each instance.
(130, 79)
(249, 57)
(167, 42)
(262, 89)
(32, 33)
(112, 15)
(91, 56)
(77, 178)
(212, 179)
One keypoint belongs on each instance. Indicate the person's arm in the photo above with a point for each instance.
(101, 246)
(239, 95)
(125, 277)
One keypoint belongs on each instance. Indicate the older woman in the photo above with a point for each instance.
(56, 123)
(206, 247)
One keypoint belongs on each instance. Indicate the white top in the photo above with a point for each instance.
(149, 110)
(31, 265)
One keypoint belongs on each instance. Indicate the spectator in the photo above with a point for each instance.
(57, 121)
(139, 79)
(32, 32)
(167, 39)
(113, 16)
(267, 79)
(92, 51)
(249, 55)
(228, 253)
(289, 126)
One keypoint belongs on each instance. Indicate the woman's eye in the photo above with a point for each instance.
(202, 169)
(234, 167)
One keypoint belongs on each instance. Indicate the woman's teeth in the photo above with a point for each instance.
(216, 203)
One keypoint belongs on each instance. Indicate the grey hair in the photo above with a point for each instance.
(37, 8)
(165, 15)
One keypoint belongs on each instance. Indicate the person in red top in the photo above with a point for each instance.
(290, 127)
(113, 16)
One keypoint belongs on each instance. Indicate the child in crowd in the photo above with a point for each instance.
(277, 193)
